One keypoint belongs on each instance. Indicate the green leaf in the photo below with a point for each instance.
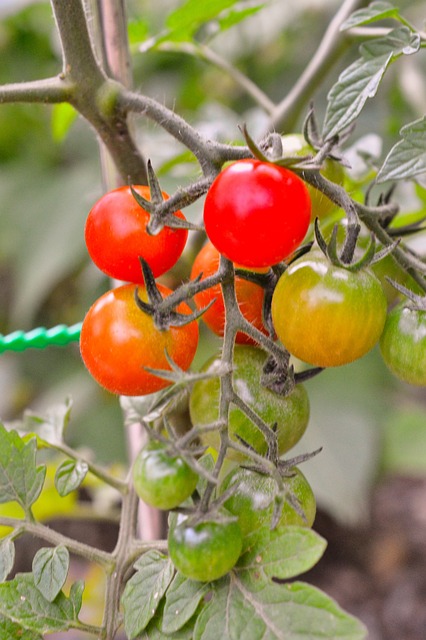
(11, 631)
(408, 157)
(63, 116)
(295, 611)
(20, 478)
(50, 569)
(137, 30)
(375, 11)
(69, 476)
(348, 96)
(282, 553)
(7, 557)
(361, 79)
(182, 600)
(144, 591)
(51, 426)
(237, 15)
(22, 603)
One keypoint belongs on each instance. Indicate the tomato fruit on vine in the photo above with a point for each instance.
(118, 340)
(256, 213)
(327, 315)
(294, 144)
(290, 413)
(206, 550)
(116, 237)
(162, 478)
(253, 499)
(250, 296)
(403, 344)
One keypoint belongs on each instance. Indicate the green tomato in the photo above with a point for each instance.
(294, 144)
(161, 479)
(253, 500)
(290, 413)
(207, 550)
(403, 344)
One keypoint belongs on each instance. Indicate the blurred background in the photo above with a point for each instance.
(372, 428)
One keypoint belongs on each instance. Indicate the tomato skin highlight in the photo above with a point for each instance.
(253, 500)
(118, 341)
(161, 479)
(291, 413)
(205, 551)
(256, 213)
(116, 236)
(326, 315)
(250, 296)
(403, 344)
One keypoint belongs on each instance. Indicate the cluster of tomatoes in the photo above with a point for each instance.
(256, 215)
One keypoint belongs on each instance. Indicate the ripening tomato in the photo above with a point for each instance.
(253, 499)
(294, 144)
(327, 315)
(118, 341)
(403, 344)
(116, 237)
(162, 479)
(250, 296)
(207, 550)
(290, 413)
(256, 213)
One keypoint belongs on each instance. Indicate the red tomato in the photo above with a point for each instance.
(257, 213)
(118, 341)
(249, 295)
(116, 236)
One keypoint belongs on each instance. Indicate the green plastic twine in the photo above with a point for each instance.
(40, 338)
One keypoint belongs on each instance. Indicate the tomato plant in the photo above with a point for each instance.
(289, 413)
(257, 213)
(403, 344)
(250, 296)
(162, 478)
(206, 550)
(327, 315)
(116, 236)
(118, 341)
(253, 499)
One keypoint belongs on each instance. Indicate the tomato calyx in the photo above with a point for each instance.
(414, 301)
(164, 317)
(161, 214)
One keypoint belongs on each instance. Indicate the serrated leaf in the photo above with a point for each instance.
(50, 569)
(361, 79)
(22, 603)
(348, 96)
(20, 478)
(281, 553)
(11, 631)
(375, 11)
(182, 600)
(295, 611)
(408, 157)
(144, 591)
(7, 557)
(69, 476)
(51, 426)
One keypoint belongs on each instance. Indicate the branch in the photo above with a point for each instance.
(332, 46)
(48, 91)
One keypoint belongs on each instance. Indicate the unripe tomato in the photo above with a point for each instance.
(256, 213)
(327, 315)
(294, 144)
(118, 341)
(249, 296)
(205, 551)
(161, 479)
(290, 413)
(116, 237)
(403, 344)
(253, 499)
